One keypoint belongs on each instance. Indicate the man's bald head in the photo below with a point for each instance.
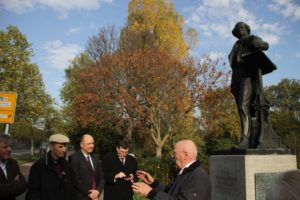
(85, 137)
(87, 144)
(189, 147)
(185, 151)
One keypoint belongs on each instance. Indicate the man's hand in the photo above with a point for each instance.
(141, 188)
(145, 176)
(17, 178)
(129, 178)
(94, 194)
(120, 175)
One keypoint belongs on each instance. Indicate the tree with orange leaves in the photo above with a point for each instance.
(149, 91)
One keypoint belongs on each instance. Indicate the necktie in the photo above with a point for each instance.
(89, 162)
(123, 161)
(93, 186)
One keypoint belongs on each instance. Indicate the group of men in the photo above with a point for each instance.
(83, 177)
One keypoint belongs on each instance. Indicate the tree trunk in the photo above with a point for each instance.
(32, 145)
(129, 129)
(158, 150)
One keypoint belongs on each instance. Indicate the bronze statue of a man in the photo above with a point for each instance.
(246, 85)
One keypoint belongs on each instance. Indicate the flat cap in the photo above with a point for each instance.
(59, 138)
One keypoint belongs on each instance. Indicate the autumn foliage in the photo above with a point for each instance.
(142, 82)
(147, 91)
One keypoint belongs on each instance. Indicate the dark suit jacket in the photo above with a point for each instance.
(9, 187)
(118, 189)
(193, 183)
(83, 175)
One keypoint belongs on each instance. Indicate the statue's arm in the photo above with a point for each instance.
(258, 43)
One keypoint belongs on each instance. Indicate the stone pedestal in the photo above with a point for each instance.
(236, 177)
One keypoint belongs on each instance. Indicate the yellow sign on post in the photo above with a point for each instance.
(7, 107)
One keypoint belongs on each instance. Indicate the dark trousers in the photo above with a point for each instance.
(244, 96)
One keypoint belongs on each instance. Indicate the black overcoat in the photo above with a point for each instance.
(9, 187)
(44, 182)
(118, 189)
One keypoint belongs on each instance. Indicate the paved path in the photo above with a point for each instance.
(25, 169)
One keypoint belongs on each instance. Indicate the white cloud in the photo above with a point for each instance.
(213, 56)
(73, 30)
(215, 18)
(17, 6)
(218, 16)
(275, 27)
(270, 38)
(287, 8)
(298, 55)
(61, 6)
(59, 55)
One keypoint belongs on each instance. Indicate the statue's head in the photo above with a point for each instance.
(239, 24)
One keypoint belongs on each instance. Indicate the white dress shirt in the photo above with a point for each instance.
(3, 167)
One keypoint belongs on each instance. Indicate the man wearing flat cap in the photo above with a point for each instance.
(49, 177)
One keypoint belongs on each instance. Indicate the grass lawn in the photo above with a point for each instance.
(138, 197)
(26, 159)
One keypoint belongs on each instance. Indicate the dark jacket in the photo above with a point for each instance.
(83, 175)
(45, 183)
(11, 187)
(240, 68)
(192, 184)
(118, 189)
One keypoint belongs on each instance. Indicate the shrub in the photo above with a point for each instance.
(160, 168)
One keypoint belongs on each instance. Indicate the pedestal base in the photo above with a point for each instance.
(237, 177)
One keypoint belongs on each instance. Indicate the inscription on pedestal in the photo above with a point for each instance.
(262, 181)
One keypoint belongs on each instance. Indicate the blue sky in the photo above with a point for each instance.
(59, 29)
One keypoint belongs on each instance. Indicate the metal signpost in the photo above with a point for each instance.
(7, 108)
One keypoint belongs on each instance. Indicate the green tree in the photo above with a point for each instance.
(285, 106)
(285, 96)
(285, 111)
(19, 75)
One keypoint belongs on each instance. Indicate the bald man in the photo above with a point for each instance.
(192, 182)
(87, 171)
